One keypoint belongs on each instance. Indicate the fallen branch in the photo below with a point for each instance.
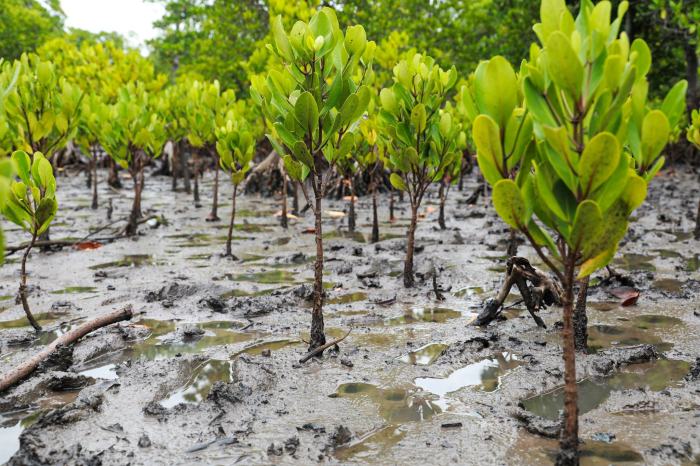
(322, 348)
(25, 369)
(543, 292)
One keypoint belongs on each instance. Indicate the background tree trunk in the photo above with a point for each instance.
(229, 238)
(408, 278)
(375, 216)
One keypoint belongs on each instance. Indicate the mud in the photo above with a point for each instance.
(207, 372)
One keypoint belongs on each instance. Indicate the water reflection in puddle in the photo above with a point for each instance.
(160, 344)
(486, 375)
(425, 355)
(199, 386)
(656, 375)
(133, 260)
(414, 314)
(395, 405)
(13, 423)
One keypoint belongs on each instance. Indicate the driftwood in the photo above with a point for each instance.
(25, 369)
(322, 348)
(544, 291)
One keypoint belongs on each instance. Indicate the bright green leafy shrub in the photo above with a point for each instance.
(423, 136)
(313, 100)
(595, 144)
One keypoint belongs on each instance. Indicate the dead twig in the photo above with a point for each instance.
(322, 348)
(25, 369)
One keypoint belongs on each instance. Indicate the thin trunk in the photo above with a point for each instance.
(697, 223)
(135, 216)
(175, 167)
(23, 285)
(229, 238)
(375, 216)
(295, 198)
(443, 198)
(408, 278)
(283, 218)
(512, 249)
(195, 168)
(318, 337)
(113, 178)
(391, 206)
(94, 180)
(213, 216)
(568, 442)
(351, 209)
(185, 167)
(580, 317)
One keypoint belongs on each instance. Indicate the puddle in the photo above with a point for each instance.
(395, 405)
(537, 450)
(156, 346)
(633, 262)
(650, 321)
(270, 277)
(485, 375)
(606, 336)
(43, 318)
(425, 355)
(13, 423)
(670, 285)
(348, 298)
(76, 289)
(370, 446)
(6, 297)
(257, 348)
(693, 263)
(469, 292)
(132, 260)
(238, 293)
(199, 385)
(656, 375)
(603, 306)
(415, 314)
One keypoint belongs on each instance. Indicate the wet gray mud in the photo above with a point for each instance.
(207, 371)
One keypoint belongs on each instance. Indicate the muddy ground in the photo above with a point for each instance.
(207, 371)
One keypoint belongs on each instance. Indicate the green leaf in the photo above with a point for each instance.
(397, 182)
(545, 192)
(293, 168)
(674, 102)
(281, 41)
(419, 118)
(306, 112)
(635, 192)
(22, 165)
(655, 133)
(563, 64)
(487, 140)
(496, 89)
(597, 262)
(45, 212)
(355, 40)
(598, 161)
(536, 104)
(509, 204)
(587, 222)
(642, 59)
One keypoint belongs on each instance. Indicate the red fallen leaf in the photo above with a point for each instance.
(88, 245)
(309, 231)
(628, 295)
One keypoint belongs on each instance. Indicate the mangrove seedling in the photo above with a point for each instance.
(236, 147)
(586, 91)
(423, 137)
(313, 102)
(132, 133)
(30, 203)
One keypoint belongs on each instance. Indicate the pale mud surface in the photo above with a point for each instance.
(207, 371)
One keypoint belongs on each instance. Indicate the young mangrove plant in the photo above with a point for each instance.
(423, 137)
(30, 203)
(236, 147)
(132, 134)
(88, 136)
(585, 89)
(368, 157)
(313, 102)
(205, 108)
